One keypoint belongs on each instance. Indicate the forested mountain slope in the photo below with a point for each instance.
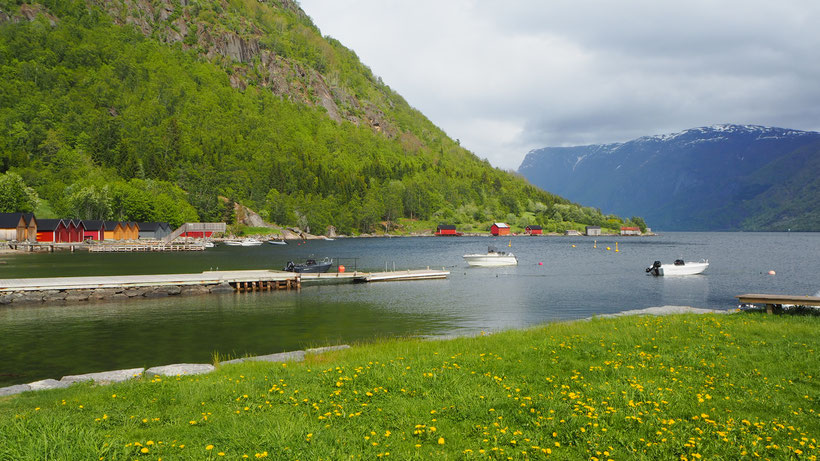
(153, 110)
(723, 177)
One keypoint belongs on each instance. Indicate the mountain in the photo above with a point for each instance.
(723, 177)
(173, 109)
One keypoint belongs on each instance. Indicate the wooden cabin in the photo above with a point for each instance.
(593, 230)
(114, 230)
(447, 230)
(52, 230)
(153, 230)
(500, 228)
(630, 231)
(534, 229)
(133, 231)
(13, 226)
(76, 231)
(94, 230)
(31, 229)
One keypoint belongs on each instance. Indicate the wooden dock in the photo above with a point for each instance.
(144, 247)
(130, 286)
(774, 303)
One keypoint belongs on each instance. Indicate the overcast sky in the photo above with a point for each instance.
(505, 77)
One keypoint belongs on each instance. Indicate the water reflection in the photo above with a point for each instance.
(572, 282)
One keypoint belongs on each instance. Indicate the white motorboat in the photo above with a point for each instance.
(679, 267)
(492, 258)
(277, 242)
(249, 242)
(208, 244)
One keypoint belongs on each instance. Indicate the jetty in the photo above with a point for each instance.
(76, 289)
(774, 303)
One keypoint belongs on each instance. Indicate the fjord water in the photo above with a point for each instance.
(52, 340)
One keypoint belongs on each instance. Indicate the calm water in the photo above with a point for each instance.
(49, 341)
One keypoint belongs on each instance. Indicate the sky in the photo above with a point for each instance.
(506, 77)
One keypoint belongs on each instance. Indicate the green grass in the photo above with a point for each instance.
(681, 387)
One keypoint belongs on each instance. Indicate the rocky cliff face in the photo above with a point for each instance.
(241, 50)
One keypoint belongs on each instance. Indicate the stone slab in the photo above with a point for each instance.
(319, 350)
(180, 369)
(666, 310)
(47, 384)
(103, 377)
(12, 390)
(293, 356)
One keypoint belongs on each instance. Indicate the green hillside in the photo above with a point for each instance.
(171, 110)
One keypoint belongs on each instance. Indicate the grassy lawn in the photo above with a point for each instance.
(680, 387)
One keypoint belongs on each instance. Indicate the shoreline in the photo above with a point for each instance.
(179, 369)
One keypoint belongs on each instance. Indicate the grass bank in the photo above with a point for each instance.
(678, 387)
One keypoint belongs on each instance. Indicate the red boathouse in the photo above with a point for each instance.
(447, 230)
(534, 230)
(500, 228)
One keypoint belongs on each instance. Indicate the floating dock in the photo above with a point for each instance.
(32, 290)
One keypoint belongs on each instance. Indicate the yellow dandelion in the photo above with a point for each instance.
(441, 440)
(209, 447)
(143, 450)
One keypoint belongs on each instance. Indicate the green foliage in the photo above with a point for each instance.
(15, 196)
(104, 122)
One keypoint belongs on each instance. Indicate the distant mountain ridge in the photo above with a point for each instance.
(721, 177)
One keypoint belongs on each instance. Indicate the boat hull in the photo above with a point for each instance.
(685, 269)
(479, 260)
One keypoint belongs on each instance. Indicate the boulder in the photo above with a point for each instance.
(224, 287)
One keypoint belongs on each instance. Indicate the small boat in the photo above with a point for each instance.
(277, 242)
(243, 243)
(492, 258)
(679, 267)
(309, 266)
(209, 244)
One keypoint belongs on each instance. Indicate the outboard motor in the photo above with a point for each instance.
(289, 266)
(654, 267)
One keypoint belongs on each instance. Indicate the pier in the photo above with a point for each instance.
(77, 289)
(774, 303)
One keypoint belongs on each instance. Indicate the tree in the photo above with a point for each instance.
(15, 195)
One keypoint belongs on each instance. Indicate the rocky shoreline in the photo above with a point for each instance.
(178, 369)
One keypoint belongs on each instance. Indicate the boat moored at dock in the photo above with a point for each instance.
(309, 266)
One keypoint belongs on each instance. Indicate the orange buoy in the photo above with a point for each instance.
(341, 269)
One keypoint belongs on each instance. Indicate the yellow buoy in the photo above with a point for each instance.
(573, 246)
(607, 248)
(616, 247)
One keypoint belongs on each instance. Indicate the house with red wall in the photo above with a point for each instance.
(534, 229)
(94, 230)
(500, 228)
(52, 230)
(447, 230)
